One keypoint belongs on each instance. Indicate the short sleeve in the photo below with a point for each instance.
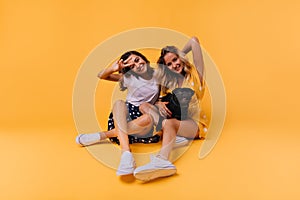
(125, 81)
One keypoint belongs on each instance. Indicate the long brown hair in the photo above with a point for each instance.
(126, 71)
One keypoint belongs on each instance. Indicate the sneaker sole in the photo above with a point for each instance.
(86, 145)
(181, 144)
(148, 175)
(124, 173)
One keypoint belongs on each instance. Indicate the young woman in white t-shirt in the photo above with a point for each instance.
(137, 77)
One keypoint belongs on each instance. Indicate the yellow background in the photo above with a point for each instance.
(255, 45)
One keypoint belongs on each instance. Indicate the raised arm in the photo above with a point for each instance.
(194, 45)
(109, 73)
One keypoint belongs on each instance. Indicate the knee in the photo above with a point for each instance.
(195, 39)
(169, 124)
(119, 103)
(146, 120)
(144, 107)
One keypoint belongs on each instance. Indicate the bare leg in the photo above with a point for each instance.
(140, 126)
(127, 163)
(173, 127)
(147, 108)
(153, 112)
(159, 165)
(120, 114)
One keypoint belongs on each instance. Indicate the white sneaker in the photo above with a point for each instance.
(88, 139)
(180, 141)
(127, 164)
(156, 168)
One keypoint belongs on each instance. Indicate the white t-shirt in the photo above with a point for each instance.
(140, 90)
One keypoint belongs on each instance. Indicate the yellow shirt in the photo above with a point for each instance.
(194, 111)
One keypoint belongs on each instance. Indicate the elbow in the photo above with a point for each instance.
(100, 75)
(195, 39)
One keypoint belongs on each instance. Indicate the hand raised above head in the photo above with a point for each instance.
(115, 66)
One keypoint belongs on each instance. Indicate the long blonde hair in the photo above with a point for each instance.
(168, 79)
